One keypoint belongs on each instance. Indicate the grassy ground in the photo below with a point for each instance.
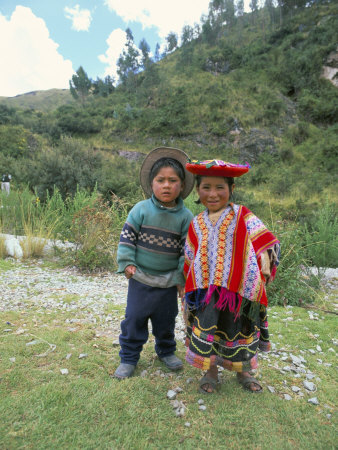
(41, 408)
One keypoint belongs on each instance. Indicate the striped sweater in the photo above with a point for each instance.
(153, 237)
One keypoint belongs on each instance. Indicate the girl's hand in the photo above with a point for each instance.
(180, 290)
(129, 271)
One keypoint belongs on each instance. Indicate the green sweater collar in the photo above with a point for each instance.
(176, 208)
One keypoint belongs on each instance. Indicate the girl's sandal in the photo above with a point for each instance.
(246, 382)
(207, 380)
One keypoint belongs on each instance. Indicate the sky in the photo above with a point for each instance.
(44, 42)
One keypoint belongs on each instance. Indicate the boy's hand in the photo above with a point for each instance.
(129, 271)
(180, 290)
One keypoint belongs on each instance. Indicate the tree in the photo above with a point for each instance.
(80, 85)
(187, 34)
(128, 63)
(171, 41)
(157, 56)
(103, 88)
(145, 50)
(229, 12)
(240, 8)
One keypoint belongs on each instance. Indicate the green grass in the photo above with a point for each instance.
(40, 408)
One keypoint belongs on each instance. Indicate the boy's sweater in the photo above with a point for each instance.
(153, 237)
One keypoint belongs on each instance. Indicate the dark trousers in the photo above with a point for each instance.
(144, 303)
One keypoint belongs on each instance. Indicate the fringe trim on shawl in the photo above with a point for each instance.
(235, 303)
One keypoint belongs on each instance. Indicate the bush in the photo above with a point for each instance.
(321, 237)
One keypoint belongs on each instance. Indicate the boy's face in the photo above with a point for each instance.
(167, 186)
(214, 193)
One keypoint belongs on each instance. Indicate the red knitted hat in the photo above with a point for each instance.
(217, 168)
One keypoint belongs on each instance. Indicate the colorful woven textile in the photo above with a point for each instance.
(215, 338)
(225, 257)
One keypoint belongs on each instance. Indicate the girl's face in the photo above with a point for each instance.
(214, 193)
(167, 186)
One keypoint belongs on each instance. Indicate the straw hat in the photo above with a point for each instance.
(217, 168)
(165, 152)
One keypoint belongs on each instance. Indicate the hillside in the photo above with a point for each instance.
(250, 91)
(39, 100)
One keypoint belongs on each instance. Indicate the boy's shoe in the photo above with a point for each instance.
(124, 371)
(172, 362)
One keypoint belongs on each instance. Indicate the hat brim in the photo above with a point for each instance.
(165, 152)
(217, 171)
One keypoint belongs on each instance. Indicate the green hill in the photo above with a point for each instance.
(39, 100)
(250, 89)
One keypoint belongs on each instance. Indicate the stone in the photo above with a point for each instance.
(64, 371)
(295, 389)
(319, 348)
(313, 401)
(178, 389)
(36, 341)
(309, 385)
(189, 380)
(83, 355)
(200, 401)
(171, 394)
(271, 389)
(12, 360)
(68, 356)
(144, 373)
(187, 424)
(287, 397)
(202, 407)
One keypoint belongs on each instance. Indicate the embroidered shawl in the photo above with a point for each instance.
(226, 257)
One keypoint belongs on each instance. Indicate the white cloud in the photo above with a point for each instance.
(165, 15)
(116, 41)
(81, 18)
(29, 57)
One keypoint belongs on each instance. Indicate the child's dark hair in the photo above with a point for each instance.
(167, 162)
(229, 181)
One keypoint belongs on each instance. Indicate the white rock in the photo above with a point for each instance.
(187, 424)
(12, 360)
(309, 385)
(171, 394)
(319, 348)
(200, 401)
(313, 400)
(83, 355)
(295, 389)
(69, 355)
(271, 389)
(64, 371)
(13, 248)
(202, 407)
(287, 397)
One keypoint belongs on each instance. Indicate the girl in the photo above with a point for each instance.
(150, 254)
(229, 257)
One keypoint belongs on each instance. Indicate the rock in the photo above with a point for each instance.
(271, 389)
(13, 248)
(295, 389)
(12, 360)
(189, 380)
(64, 371)
(200, 401)
(202, 407)
(175, 404)
(309, 385)
(310, 376)
(319, 348)
(68, 356)
(36, 341)
(171, 394)
(313, 401)
(144, 373)
(287, 397)
(83, 355)
(187, 424)
(178, 389)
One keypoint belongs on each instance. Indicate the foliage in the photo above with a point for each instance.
(80, 85)
(96, 230)
(321, 237)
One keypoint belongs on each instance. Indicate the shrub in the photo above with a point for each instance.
(96, 230)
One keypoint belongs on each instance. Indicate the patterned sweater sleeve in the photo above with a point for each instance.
(127, 246)
(189, 250)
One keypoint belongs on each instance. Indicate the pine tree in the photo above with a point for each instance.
(80, 85)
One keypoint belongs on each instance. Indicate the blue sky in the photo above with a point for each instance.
(43, 42)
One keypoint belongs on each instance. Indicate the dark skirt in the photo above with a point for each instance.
(219, 338)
